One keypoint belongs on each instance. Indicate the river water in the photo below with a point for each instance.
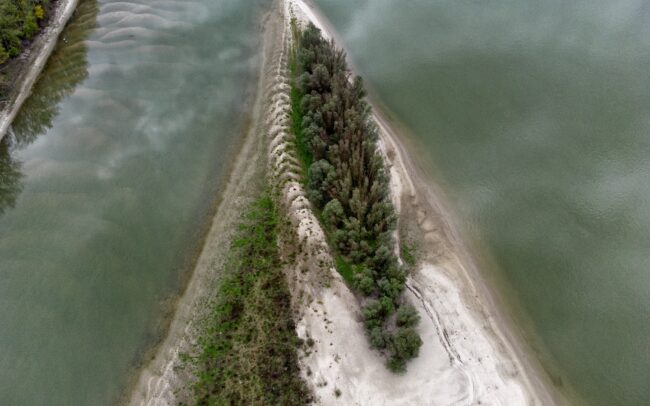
(536, 117)
(106, 184)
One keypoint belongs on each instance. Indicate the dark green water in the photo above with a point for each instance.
(537, 116)
(105, 186)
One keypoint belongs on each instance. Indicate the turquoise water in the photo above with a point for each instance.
(537, 118)
(105, 185)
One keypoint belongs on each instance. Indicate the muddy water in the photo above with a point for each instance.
(535, 115)
(105, 182)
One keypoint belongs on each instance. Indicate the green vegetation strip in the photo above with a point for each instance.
(247, 354)
(348, 184)
(19, 22)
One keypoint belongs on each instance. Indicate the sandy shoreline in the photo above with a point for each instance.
(487, 305)
(39, 53)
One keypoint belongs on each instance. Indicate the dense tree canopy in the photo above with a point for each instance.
(347, 181)
(19, 22)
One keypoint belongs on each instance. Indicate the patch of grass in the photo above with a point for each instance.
(408, 253)
(302, 149)
(247, 354)
(345, 269)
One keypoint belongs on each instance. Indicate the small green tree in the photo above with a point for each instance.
(407, 316)
(333, 213)
(320, 174)
(387, 305)
(390, 287)
(372, 314)
(405, 344)
(30, 27)
(364, 282)
(378, 338)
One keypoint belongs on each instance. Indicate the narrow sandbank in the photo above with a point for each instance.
(163, 380)
(37, 55)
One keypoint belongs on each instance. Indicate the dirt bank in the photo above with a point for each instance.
(37, 55)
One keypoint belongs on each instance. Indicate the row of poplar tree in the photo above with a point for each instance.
(348, 182)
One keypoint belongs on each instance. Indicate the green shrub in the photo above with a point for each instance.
(374, 313)
(390, 288)
(321, 173)
(364, 282)
(404, 345)
(407, 316)
(378, 338)
(333, 214)
(387, 305)
(408, 253)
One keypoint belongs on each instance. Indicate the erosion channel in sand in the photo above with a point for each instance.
(469, 355)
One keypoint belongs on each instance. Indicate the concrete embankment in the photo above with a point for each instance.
(37, 55)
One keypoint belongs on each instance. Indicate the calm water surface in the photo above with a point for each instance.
(104, 186)
(537, 116)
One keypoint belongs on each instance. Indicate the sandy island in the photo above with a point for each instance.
(470, 354)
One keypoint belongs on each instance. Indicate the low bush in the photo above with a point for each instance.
(19, 23)
(247, 354)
